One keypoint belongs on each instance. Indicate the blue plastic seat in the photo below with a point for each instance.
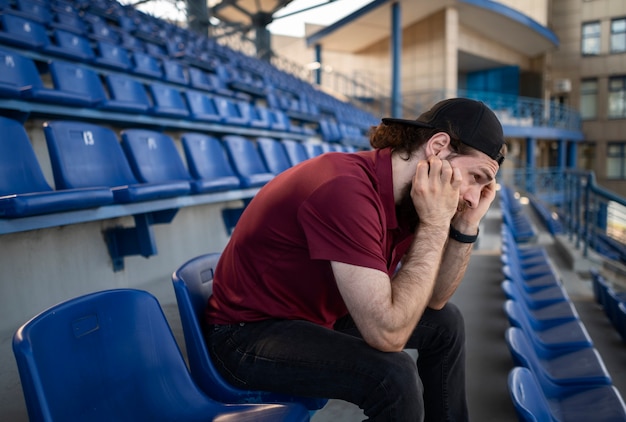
(112, 56)
(68, 20)
(146, 65)
(546, 316)
(202, 106)
(78, 80)
(111, 356)
(193, 285)
(208, 163)
(99, 29)
(257, 116)
(279, 121)
(22, 32)
(598, 404)
(561, 375)
(173, 71)
(70, 45)
(24, 190)
(167, 101)
(126, 94)
(88, 155)
(536, 299)
(295, 151)
(247, 161)
(154, 158)
(273, 154)
(230, 111)
(313, 149)
(553, 341)
(34, 10)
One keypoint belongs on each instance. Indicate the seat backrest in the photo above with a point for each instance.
(108, 355)
(126, 89)
(273, 154)
(112, 55)
(146, 65)
(206, 157)
(20, 171)
(295, 151)
(23, 32)
(247, 161)
(174, 72)
(153, 156)
(77, 79)
(73, 45)
(86, 155)
(527, 396)
(313, 150)
(167, 99)
(16, 72)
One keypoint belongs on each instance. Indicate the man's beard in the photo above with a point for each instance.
(406, 213)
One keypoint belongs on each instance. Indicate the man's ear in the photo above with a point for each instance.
(438, 143)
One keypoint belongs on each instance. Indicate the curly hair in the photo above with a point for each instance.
(406, 139)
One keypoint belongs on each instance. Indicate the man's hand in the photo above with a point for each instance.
(435, 191)
(471, 217)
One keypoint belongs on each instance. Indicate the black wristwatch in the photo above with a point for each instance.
(463, 238)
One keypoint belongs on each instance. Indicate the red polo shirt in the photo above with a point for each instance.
(336, 207)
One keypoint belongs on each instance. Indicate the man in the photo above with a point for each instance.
(340, 263)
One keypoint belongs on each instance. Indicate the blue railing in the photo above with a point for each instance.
(591, 216)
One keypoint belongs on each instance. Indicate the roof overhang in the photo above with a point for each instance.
(495, 21)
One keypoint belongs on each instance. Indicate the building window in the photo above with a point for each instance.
(616, 160)
(591, 38)
(618, 35)
(617, 97)
(589, 99)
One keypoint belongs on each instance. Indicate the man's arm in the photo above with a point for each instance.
(387, 311)
(457, 255)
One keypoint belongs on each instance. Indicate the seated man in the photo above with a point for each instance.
(341, 262)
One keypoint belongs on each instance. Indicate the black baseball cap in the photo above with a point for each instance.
(476, 124)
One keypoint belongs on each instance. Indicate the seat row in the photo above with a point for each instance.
(515, 216)
(92, 168)
(612, 299)
(559, 374)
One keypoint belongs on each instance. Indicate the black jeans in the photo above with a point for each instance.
(301, 358)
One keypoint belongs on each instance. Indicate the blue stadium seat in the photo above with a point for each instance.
(112, 56)
(258, 116)
(24, 190)
(208, 163)
(598, 404)
(274, 155)
(537, 299)
(22, 32)
(202, 106)
(279, 121)
(78, 80)
(167, 101)
(111, 356)
(550, 342)
(88, 155)
(230, 111)
(68, 20)
(34, 10)
(295, 151)
(154, 159)
(560, 375)
(175, 72)
(193, 285)
(313, 149)
(19, 75)
(247, 161)
(100, 30)
(146, 65)
(70, 45)
(125, 94)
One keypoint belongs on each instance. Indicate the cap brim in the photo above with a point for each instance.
(406, 122)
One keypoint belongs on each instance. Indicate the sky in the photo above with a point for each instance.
(292, 25)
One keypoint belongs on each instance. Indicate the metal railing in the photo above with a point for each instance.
(593, 217)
